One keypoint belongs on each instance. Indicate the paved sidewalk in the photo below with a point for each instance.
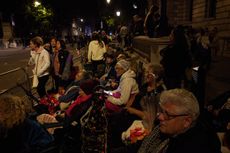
(218, 77)
(12, 49)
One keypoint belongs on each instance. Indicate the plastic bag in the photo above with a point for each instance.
(35, 81)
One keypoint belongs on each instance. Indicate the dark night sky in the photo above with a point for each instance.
(65, 10)
(87, 8)
(66, 7)
(77, 7)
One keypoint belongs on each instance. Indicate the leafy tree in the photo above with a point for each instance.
(41, 18)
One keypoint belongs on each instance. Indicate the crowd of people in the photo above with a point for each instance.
(171, 111)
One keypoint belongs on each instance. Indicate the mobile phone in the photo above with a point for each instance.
(108, 92)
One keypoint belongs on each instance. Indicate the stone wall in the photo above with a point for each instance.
(149, 48)
(178, 14)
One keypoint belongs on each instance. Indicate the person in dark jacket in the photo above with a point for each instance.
(180, 129)
(109, 72)
(19, 133)
(150, 22)
(60, 63)
(176, 59)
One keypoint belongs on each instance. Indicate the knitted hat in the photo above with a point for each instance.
(124, 64)
(87, 86)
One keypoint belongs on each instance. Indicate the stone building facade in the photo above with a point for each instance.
(198, 13)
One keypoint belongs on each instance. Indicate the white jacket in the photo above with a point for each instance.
(41, 62)
(127, 86)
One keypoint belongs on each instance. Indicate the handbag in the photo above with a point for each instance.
(35, 77)
(35, 81)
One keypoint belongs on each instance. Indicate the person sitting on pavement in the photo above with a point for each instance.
(127, 87)
(71, 92)
(146, 106)
(180, 129)
(109, 73)
(18, 132)
(154, 83)
(76, 109)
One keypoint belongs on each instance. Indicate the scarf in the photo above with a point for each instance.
(155, 142)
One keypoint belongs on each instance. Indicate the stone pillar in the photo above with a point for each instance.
(7, 33)
(149, 48)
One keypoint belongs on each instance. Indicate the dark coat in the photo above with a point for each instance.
(199, 139)
(28, 137)
(62, 57)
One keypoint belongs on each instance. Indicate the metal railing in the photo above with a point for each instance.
(23, 82)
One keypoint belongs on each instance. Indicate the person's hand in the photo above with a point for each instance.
(113, 84)
(102, 78)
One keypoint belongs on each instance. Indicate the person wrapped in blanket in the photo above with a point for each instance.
(19, 133)
(61, 100)
(75, 110)
(71, 92)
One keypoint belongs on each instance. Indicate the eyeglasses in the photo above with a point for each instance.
(167, 115)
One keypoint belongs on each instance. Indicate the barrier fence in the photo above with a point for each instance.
(16, 82)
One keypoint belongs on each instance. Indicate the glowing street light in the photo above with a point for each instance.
(108, 1)
(36, 4)
(118, 13)
(134, 6)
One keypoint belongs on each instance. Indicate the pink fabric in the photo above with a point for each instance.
(112, 107)
(117, 94)
(79, 100)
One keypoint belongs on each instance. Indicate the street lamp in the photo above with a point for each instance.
(118, 13)
(134, 6)
(36, 4)
(108, 1)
